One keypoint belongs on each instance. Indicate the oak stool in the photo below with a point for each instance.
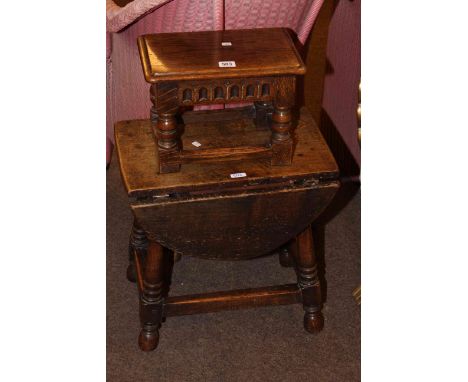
(221, 67)
(232, 210)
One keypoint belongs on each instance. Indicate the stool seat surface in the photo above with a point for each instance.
(197, 55)
(139, 165)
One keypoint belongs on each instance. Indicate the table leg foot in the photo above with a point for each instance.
(151, 297)
(148, 340)
(313, 322)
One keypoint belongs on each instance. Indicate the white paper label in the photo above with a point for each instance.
(227, 64)
(238, 175)
(196, 144)
(226, 43)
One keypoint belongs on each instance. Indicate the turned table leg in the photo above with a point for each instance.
(137, 241)
(308, 281)
(286, 257)
(177, 256)
(151, 297)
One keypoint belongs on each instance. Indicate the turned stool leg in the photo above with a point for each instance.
(263, 113)
(151, 298)
(163, 117)
(308, 281)
(137, 241)
(168, 146)
(281, 140)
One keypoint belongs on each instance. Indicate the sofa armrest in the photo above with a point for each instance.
(118, 17)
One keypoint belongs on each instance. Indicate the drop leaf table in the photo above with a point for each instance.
(229, 210)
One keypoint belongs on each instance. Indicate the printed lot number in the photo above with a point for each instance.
(227, 64)
(238, 175)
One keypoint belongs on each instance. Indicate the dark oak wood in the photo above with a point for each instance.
(237, 226)
(202, 211)
(263, 114)
(232, 300)
(151, 297)
(232, 90)
(308, 281)
(137, 241)
(285, 256)
(226, 153)
(265, 67)
(312, 160)
(281, 139)
(163, 115)
(165, 56)
(177, 257)
(266, 208)
(209, 116)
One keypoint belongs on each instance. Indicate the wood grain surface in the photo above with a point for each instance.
(238, 226)
(196, 55)
(202, 211)
(312, 160)
(232, 300)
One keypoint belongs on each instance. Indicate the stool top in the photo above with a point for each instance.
(312, 160)
(209, 55)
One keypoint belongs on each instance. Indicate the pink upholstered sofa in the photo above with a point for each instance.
(127, 91)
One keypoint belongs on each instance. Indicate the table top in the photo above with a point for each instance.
(200, 55)
(136, 148)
